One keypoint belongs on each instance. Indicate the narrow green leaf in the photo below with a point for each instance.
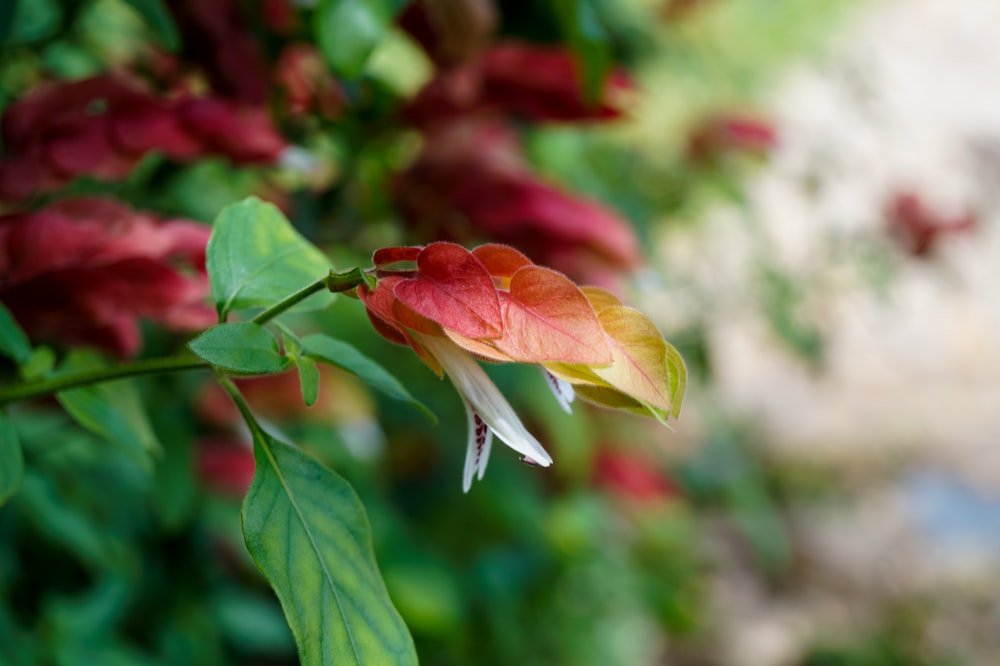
(255, 258)
(159, 21)
(677, 377)
(336, 352)
(13, 342)
(243, 348)
(308, 532)
(11, 460)
(308, 379)
(347, 31)
(112, 410)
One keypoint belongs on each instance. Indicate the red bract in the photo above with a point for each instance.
(101, 127)
(538, 83)
(451, 305)
(728, 134)
(917, 228)
(84, 271)
(471, 182)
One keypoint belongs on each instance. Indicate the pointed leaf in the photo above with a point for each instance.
(256, 258)
(11, 460)
(347, 31)
(640, 366)
(454, 290)
(244, 348)
(547, 318)
(112, 410)
(13, 342)
(501, 260)
(678, 379)
(308, 379)
(336, 352)
(308, 533)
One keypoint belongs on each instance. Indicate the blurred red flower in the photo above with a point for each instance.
(307, 83)
(225, 465)
(102, 126)
(628, 476)
(471, 181)
(918, 228)
(539, 83)
(84, 271)
(730, 133)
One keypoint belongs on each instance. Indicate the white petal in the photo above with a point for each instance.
(477, 452)
(474, 385)
(561, 389)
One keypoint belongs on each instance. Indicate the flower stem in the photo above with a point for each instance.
(335, 282)
(154, 366)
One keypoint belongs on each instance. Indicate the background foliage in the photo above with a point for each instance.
(120, 535)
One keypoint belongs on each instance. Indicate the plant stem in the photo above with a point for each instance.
(43, 387)
(335, 282)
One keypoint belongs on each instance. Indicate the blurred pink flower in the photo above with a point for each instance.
(627, 476)
(102, 126)
(730, 133)
(917, 228)
(84, 271)
(307, 83)
(539, 83)
(471, 182)
(225, 465)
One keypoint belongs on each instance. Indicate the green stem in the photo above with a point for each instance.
(186, 361)
(44, 387)
(335, 282)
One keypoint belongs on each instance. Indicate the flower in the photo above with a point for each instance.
(918, 228)
(84, 271)
(472, 181)
(733, 133)
(538, 83)
(453, 305)
(102, 126)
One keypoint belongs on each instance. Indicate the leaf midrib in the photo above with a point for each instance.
(313, 543)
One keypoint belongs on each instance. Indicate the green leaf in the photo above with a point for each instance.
(677, 377)
(347, 31)
(308, 379)
(39, 364)
(11, 460)
(13, 342)
(159, 21)
(336, 352)
(112, 410)
(243, 348)
(307, 531)
(256, 258)
(583, 28)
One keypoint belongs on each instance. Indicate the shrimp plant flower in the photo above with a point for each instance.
(455, 307)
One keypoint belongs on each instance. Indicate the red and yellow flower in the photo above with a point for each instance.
(453, 306)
